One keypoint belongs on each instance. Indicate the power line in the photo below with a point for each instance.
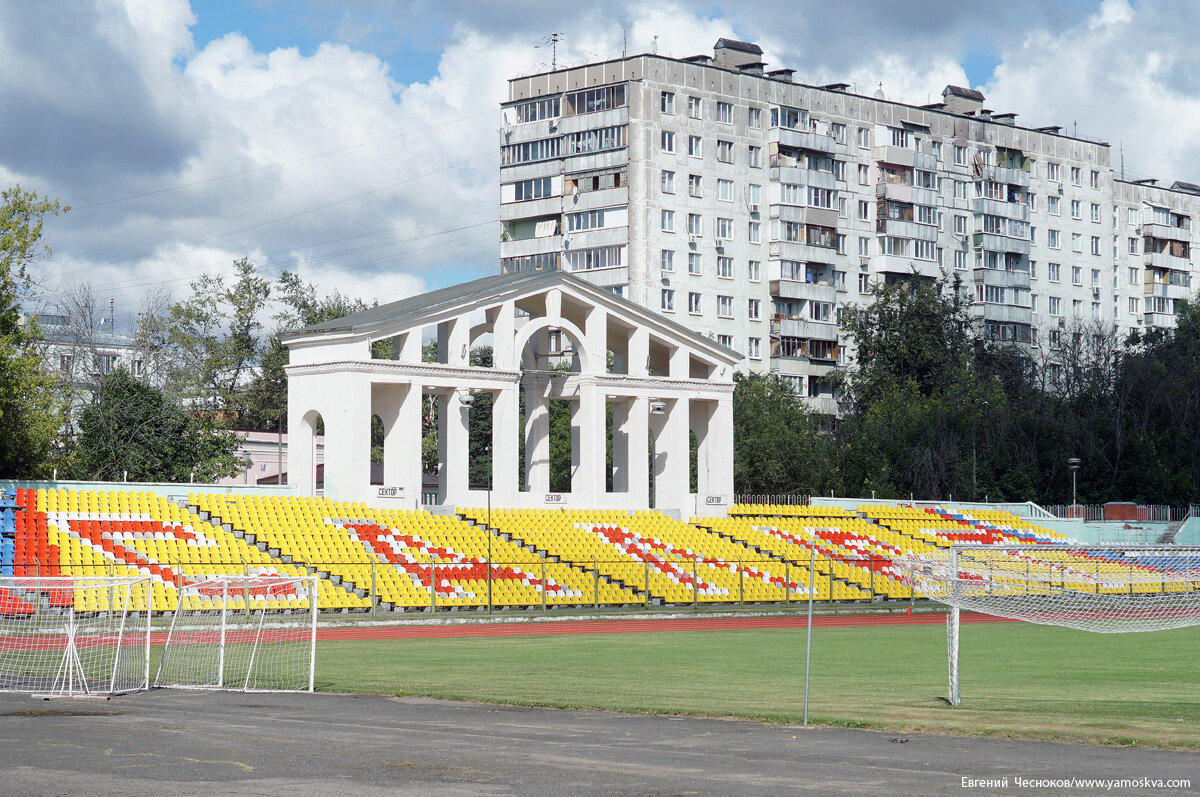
(264, 167)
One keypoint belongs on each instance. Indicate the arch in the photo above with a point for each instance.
(586, 360)
(310, 422)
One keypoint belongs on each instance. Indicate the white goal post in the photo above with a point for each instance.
(74, 637)
(1099, 588)
(252, 633)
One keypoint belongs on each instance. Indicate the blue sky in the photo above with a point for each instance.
(355, 141)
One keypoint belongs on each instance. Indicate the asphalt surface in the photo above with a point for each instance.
(181, 743)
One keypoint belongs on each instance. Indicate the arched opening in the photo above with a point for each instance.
(312, 479)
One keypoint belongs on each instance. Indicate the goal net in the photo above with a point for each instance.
(1105, 589)
(74, 637)
(248, 633)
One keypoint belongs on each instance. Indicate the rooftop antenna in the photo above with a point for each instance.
(654, 45)
(624, 43)
(1121, 146)
(554, 38)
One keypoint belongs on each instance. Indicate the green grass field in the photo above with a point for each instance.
(1018, 680)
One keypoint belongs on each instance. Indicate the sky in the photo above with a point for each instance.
(355, 142)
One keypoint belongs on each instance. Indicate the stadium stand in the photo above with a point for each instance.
(416, 560)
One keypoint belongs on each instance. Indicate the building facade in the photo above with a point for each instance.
(752, 208)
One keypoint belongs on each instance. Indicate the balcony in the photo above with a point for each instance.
(797, 289)
(905, 156)
(799, 328)
(1001, 174)
(802, 139)
(1165, 260)
(995, 207)
(906, 193)
(586, 239)
(1168, 284)
(1160, 320)
(902, 264)
(1000, 243)
(900, 228)
(803, 253)
(593, 121)
(1002, 278)
(1166, 232)
(549, 206)
(531, 246)
(1003, 313)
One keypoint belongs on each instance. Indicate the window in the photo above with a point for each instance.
(864, 247)
(1076, 275)
(1033, 297)
(592, 100)
(695, 224)
(754, 195)
(1095, 278)
(864, 137)
(666, 259)
(599, 140)
(1075, 172)
(694, 146)
(1095, 244)
(864, 283)
(668, 300)
(694, 303)
(1077, 308)
(754, 271)
(724, 229)
(537, 188)
(529, 151)
(668, 181)
(753, 309)
(725, 340)
(960, 225)
(937, 149)
(960, 155)
(754, 118)
(666, 102)
(1077, 242)
(1052, 239)
(694, 265)
(1094, 182)
(725, 113)
(585, 220)
(1033, 269)
(1053, 206)
(755, 157)
(725, 306)
(960, 260)
(694, 107)
(1133, 275)
(1054, 172)
(1054, 272)
(1095, 212)
(1033, 203)
(960, 189)
(864, 209)
(1055, 305)
(725, 190)
(864, 174)
(599, 180)
(900, 137)
(1076, 206)
(755, 232)
(668, 221)
(1133, 246)
(725, 267)
(724, 151)
(820, 311)
(923, 250)
(668, 141)
(597, 257)
(820, 197)
(694, 185)
(754, 348)
(1133, 305)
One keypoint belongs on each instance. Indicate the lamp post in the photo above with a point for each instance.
(1073, 466)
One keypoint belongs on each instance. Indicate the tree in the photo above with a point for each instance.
(134, 431)
(29, 415)
(216, 333)
(779, 446)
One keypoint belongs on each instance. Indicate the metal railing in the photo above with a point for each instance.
(1144, 513)
(782, 500)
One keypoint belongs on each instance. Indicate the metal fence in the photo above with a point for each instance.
(782, 500)
(1145, 513)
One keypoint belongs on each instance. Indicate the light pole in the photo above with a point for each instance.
(1073, 466)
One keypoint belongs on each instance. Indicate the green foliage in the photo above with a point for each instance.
(29, 413)
(133, 429)
(779, 446)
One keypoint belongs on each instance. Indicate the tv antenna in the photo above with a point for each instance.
(553, 39)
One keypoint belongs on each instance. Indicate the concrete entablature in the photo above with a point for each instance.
(554, 337)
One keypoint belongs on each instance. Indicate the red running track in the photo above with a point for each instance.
(543, 628)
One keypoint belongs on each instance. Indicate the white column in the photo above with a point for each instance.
(638, 437)
(680, 365)
(453, 339)
(503, 343)
(701, 426)
(537, 437)
(505, 449)
(402, 446)
(587, 481)
(720, 435)
(348, 432)
(407, 347)
(621, 458)
(301, 467)
(671, 474)
(457, 461)
(639, 352)
(596, 338)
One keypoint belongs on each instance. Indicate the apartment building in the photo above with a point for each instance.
(753, 207)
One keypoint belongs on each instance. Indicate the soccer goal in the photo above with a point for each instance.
(74, 637)
(1101, 588)
(253, 633)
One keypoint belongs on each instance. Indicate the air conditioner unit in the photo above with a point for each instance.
(1095, 293)
(691, 238)
(753, 207)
